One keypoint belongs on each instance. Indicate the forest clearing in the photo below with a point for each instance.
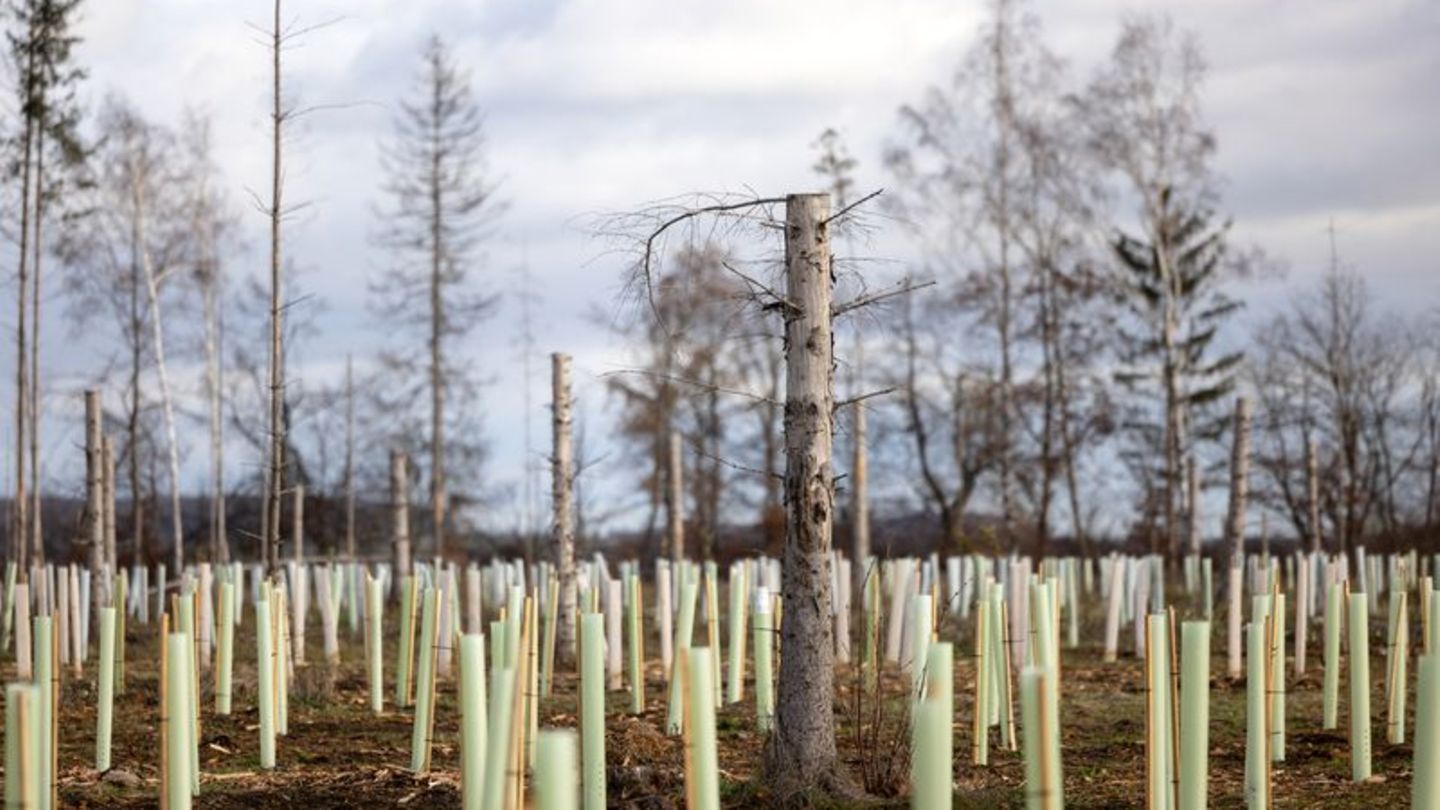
(592, 404)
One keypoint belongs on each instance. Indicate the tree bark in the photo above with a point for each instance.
(859, 488)
(1312, 493)
(275, 478)
(562, 481)
(801, 753)
(297, 524)
(349, 460)
(1239, 482)
(95, 500)
(107, 455)
(20, 505)
(400, 512)
(219, 541)
(675, 497)
(1192, 505)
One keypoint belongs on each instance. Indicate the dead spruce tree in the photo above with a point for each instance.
(440, 207)
(801, 755)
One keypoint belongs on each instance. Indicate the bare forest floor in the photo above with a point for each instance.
(338, 754)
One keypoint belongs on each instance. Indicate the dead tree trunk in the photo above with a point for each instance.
(349, 460)
(275, 476)
(95, 500)
(675, 499)
(562, 479)
(107, 458)
(1192, 505)
(297, 524)
(801, 753)
(1239, 482)
(400, 512)
(1312, 492)
(859, 487)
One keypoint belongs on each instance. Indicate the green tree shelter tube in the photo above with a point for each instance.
(556, 785)
(22, 745)
(497, 747)
(404, 653)
(106, 700)
(178, 730)
(764, 649)
(704, 771)
(1159, 742)
(1257, 763)
(424, 686)
(43, 634)
(684, 631)
(1359, 687)
(636, 631)
(1426, 787)
(225, 649)
(265, 667)
(1194, 713)
(592, 709)
(1334, 601)
(374, 618)
(472, 720)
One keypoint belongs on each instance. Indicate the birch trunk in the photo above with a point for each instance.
(1192, 505)
(801, 753)
(20, 505)
(562, 479)
(152, 290)
(219, 541)
(400, 514)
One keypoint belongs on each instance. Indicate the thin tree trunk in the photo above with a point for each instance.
(1192, 505)
(152, 287)
(675, 498)
(1239, 482)
(219, 542)
(400, 512)
(297, 524)
(801, 752)
(275, 481)
(132, 424)
(562, 481)
(95, 500)
(1312, 494)
(437, 330)
(859, 486)
(37, 516)
(349, 460)
(107, 453)
(20, 530)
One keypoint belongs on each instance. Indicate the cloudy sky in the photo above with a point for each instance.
(1324, 109)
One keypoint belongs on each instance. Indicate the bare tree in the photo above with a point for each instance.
(441, 205)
